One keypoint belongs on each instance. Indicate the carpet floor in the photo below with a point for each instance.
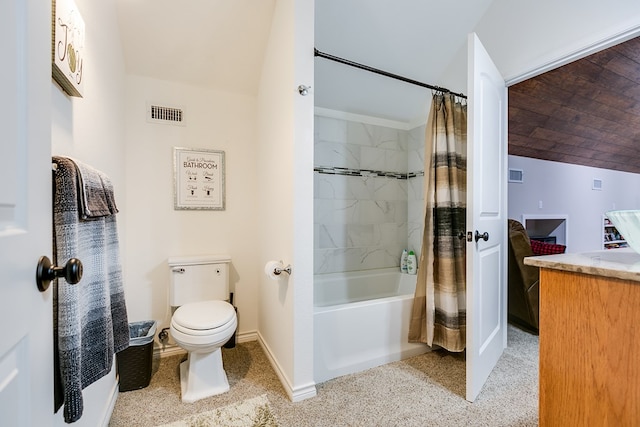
(426, 390)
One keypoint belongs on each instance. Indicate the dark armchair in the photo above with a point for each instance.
(523, 280)
(523, 285)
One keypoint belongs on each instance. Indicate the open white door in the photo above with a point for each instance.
(26, 347)
(486, 217)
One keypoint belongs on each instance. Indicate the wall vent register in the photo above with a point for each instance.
(516, 175)
(597, 184)
(162, 114)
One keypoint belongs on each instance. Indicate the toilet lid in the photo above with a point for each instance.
(204, 315)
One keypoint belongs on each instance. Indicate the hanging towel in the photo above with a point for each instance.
(96, 192)
(90, 317)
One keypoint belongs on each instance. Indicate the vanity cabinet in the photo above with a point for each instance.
(589, 338)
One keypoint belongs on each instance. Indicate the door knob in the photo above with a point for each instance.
(46, 272)
(484, 236)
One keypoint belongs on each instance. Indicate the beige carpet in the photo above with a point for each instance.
(426, 390)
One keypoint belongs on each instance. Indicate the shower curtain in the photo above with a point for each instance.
(439, 307)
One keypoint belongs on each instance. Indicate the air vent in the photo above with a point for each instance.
(516, 175)
(161, 114)
(597, 184)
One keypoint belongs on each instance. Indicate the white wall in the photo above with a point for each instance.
(285, 196)
(526, 38)
(522, 36)
(302, 197)
(91, 129)
(214, 120)
(567, 190)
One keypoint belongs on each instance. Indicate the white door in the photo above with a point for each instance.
(26, 346)
(486, 213)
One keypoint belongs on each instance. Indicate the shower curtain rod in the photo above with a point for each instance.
(384, 73)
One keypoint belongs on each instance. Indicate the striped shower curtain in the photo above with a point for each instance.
(439, 307)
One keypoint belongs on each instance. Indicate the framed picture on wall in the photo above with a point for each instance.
(68, 47)
(199, 179)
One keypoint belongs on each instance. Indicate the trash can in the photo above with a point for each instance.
(134, 363)
(232, 341)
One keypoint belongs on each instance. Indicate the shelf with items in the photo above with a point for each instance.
(611, 237)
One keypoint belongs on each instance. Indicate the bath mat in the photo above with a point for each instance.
(254, 412)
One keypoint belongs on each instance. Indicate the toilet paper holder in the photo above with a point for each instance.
(273, 269)
(279, 270)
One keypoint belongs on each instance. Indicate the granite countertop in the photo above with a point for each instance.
(618, 263)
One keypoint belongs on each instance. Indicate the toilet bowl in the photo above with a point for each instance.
(202, 328)
(202, 322)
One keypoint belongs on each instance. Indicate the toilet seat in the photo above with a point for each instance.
(203, 318)
(203, 325)
(203, 339)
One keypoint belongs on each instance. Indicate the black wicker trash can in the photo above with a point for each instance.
(134, 363)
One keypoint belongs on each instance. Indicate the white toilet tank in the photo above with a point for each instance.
(198, 278)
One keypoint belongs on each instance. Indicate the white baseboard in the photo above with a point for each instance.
(174, 349)
(297, 394)
(305, 392)
(168, 351)
(247, 336)
(112, 402)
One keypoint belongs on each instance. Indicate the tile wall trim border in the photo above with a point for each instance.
(330, 170)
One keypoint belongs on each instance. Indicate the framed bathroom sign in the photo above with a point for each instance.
(199, 179)
(68, 47)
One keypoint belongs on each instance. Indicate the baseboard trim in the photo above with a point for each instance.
(247, 336)
(297, 394)
(112, 402)
(305, 392)
(168, 351)
(174, 350)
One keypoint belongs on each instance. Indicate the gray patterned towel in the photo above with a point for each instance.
(90, 318)
(96, 192)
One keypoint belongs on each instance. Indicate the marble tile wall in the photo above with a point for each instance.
(363, 197)
(415, 199)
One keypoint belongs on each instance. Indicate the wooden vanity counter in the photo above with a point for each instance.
(589, 338)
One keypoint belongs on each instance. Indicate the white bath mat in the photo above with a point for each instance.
(254, 412)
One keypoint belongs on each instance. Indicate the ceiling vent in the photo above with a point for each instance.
(516, 175)
(161, 114)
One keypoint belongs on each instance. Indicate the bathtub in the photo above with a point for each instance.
(361, 320)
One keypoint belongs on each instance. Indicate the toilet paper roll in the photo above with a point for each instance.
(270, 268)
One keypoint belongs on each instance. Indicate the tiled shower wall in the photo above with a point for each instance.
(415, 199)
(367, 194)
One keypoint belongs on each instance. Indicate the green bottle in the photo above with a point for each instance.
(412, 264)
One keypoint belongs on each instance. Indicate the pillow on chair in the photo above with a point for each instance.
(542, 248)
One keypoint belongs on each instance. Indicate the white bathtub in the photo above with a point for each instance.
(361, 320)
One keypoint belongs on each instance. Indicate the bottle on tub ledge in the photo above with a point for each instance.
(403, 261)
(412, 264)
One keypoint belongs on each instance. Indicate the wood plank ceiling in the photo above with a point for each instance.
(586, 112)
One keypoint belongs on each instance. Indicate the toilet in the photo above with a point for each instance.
(202, 323)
